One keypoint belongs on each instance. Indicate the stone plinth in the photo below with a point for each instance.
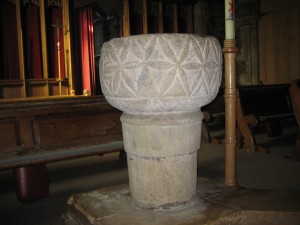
(160, 82)
(216, 204)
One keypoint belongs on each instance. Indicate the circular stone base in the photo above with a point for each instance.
(162, 158)
(164, 183)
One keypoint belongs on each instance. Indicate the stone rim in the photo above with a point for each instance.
(170, 82)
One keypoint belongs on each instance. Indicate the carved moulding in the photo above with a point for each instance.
(160, 72)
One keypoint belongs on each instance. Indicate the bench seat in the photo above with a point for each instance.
(39, 156)
(36, 131)
(261, 105)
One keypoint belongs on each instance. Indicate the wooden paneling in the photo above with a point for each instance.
(11, 92)
(262, 53)
(12, 89)
(34, 88)
(55, 128)
(77, 128)
(295, 42)
(9, 135)
(54, 89)
(37, 90)
(267, 6)
(279, 45)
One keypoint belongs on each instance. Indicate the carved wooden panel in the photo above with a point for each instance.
(37, 90)
(11, 90)
(77, 128)
(38, 124)
(54, 89)
(9, 135)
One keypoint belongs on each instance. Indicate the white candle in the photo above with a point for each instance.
(229, 19)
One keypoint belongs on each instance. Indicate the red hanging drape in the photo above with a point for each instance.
(32, 42)
(9, 56)
(87, 49)
(55, 23)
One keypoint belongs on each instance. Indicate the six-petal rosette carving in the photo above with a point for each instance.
(160, 72)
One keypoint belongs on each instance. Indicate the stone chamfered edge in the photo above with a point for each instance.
(159, 104)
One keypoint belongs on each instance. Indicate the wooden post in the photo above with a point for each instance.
(126, 23)
(175, 23)
(67, 44)
(190, 24)
(145, 19)
(58, 26)
(20, 47)
(44, 45)
(160, 17)
(230, 95)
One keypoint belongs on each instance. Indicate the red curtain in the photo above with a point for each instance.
(87, 49)
(9, 56)
(54, 28)
(32, 42)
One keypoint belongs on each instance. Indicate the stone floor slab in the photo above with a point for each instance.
(216, 204)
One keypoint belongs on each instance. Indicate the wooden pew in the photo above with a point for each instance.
(295, 97)
(39, 130)
(261, 104)
(35, 131)
(214, 109)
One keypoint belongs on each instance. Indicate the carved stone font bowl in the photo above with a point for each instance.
(157, 73)
(160, 82)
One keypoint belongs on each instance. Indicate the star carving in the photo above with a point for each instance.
(160, 66)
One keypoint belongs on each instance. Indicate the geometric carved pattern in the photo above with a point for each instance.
(161, 66)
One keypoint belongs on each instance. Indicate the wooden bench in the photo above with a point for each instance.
(212, 111)
(261, 104)
(295, 98)
(36, 131)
